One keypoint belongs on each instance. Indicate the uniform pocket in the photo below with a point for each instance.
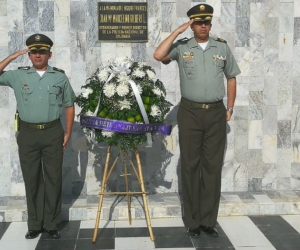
(55, 96)
(26, 95)
(190, 70)
(219, 67)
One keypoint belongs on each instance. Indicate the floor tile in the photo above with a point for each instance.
(134, 223)
(19, 244)
(103, 233)
(278, 231)
(137, 242)
(173, 242)
(102, 224)
(242, 232)
(235, 233)
(169, 231)
(213, 242)
(293, 220)
(87, 244)
(58, 244)
(170, 222)
(3, 228)
(132, 232)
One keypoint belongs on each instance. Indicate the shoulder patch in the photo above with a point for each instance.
(24, 67)
(221, 40)
(57, 69)
(183, 39)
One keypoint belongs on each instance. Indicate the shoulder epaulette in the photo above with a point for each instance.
(59, 70)
(24, 67)
(183, 39)
(221, 40)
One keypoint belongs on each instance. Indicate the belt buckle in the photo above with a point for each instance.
(41, 126)
(205, 106)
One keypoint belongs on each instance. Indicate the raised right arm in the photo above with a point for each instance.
(161, 52)
(10, 58)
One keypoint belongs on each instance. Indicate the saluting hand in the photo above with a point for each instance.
(182, 28)
(18, 53)
(10, 58)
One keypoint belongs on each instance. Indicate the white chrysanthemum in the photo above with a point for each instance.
(139, 73)
(125, 104)
(151, 75)
(86, 93)
(141, 64)
(107, 133)
(109, 90)
(89, 113)
(122, 89)
(155, 111)
(103, 75)
(123, 78)
(120, 60)
(157, 92)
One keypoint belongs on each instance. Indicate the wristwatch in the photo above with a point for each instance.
(230, 110)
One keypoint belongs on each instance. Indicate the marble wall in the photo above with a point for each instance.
(263, 146)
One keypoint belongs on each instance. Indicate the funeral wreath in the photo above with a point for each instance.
(123, 103)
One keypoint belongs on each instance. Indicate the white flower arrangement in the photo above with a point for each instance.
(111, 93)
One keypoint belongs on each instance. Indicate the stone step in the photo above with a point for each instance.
(159, 206)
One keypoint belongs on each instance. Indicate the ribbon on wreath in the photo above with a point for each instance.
(123, 127)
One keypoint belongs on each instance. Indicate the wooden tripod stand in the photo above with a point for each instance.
(139, 174)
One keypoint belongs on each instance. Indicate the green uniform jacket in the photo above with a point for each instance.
(39, 99)
(202, 71)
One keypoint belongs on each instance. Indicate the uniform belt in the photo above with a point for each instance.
(201, 105)
(39, 125)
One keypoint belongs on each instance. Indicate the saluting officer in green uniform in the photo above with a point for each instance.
(203, 61)
(41, 91)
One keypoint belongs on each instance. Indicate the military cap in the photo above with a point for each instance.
(39, 42)
(201, 12)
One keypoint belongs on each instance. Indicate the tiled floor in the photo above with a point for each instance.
(236, 232)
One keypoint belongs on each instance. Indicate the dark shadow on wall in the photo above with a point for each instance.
(74, 169)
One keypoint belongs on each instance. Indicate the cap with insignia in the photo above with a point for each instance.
(201, 12)
(39, 42)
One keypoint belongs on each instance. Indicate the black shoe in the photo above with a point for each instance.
(31, 234)
(53, 234)
(210, 231)
(194, 232)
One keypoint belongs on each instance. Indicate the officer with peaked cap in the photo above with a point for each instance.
(39, 42)
(201, 12)
(203, 61)
(41, 91)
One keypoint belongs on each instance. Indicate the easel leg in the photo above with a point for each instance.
(103, 184)
(127, 187)
(137, 155)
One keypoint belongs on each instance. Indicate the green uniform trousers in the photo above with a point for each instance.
(41, 156)
(202, 137)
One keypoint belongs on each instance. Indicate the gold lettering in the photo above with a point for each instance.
(128, 8)
(141, 8)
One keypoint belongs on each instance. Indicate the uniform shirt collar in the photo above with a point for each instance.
(49, 69)
(194, 44)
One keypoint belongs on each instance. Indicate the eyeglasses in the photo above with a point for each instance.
(41, 52)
